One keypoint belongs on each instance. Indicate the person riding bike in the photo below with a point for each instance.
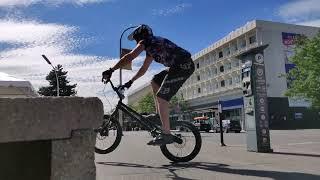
(165, 84)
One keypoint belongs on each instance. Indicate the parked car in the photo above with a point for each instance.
(202, 123)
(227, 126)
(216, 128)
(231, 125)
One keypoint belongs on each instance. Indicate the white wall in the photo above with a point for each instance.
(271, 33)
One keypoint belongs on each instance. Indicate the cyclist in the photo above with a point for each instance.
(165, 84)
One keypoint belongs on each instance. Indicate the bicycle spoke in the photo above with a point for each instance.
(108, 136)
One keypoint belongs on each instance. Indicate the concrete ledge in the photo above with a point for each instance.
(48, 138)
(28, 119)
(73, 159)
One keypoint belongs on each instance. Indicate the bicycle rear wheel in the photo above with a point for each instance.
(108, 136)
(190, 146)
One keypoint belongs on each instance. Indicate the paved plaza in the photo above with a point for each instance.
(296, 157)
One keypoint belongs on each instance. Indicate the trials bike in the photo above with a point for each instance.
(187, 139)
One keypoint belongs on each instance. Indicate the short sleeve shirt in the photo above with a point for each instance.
(165, 52)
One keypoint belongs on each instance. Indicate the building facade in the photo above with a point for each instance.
(218, 72)
(11, 87)
(135, 96)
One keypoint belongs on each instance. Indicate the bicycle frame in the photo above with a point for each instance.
(151, 127)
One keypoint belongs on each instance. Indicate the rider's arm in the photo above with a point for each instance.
(143, 69)
(129, 57)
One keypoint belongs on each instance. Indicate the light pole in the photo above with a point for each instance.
(120, 53)
(121, 48)
(55, 71)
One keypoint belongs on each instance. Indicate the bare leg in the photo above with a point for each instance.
(164, 114)
(162, 108)
(155, 89)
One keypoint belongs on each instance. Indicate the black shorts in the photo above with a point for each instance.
(170, 80)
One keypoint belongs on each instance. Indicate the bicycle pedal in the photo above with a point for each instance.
(177, 139)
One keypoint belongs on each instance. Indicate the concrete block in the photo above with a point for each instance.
(28, 119)
(48, 138)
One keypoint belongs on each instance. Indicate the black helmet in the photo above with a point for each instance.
(141, 32)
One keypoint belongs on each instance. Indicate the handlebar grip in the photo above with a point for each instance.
(105, 81)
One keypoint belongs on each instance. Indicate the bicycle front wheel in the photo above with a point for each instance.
(190, 146)
(108, 136)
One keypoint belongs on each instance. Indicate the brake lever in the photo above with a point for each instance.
(120, 90)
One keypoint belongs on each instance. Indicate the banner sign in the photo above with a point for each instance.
(289, 38)
(124, 52)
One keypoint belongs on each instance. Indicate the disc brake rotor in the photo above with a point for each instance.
(183, 144)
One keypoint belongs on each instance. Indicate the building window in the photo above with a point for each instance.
(236, 63)
(208, 87)
(222, 83)
(228, 66)
(237, 79)
(198, 65)
(204, 89)
(221, 68)
(208, 74)
(243, 43)
(230, 81)
(199, 90)
(252, 39)
(234, 47)
(207, 60)
(215, 71)
(220, 54)
(227, 51)
(198, 77)
(213, 56)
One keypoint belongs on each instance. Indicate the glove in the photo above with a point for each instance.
(106, 75)
(128, 84)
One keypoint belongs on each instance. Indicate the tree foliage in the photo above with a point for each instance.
(146, 104)
(64, 88)
(178, 104)
(305, 77)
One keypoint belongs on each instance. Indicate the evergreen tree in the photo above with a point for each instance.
(64, 88)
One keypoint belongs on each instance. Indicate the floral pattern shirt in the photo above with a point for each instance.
(165, 52)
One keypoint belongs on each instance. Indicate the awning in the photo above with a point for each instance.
(232, 104)
(226, 104)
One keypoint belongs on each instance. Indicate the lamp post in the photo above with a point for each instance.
(55, 71)
(121, 48)
(120, 54)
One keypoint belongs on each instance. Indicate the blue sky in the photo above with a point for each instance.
(83, 35)
(185, 22)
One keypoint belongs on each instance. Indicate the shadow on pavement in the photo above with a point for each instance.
(223, 168)
(298, 154)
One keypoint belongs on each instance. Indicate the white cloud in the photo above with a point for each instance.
(315, 23)
(300, 10)
(26, 41)
(19, 32)
(17, 3)
(171, 10)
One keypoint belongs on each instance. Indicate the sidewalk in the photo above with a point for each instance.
(298, 160)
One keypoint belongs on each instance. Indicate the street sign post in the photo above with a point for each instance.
(255, 100)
